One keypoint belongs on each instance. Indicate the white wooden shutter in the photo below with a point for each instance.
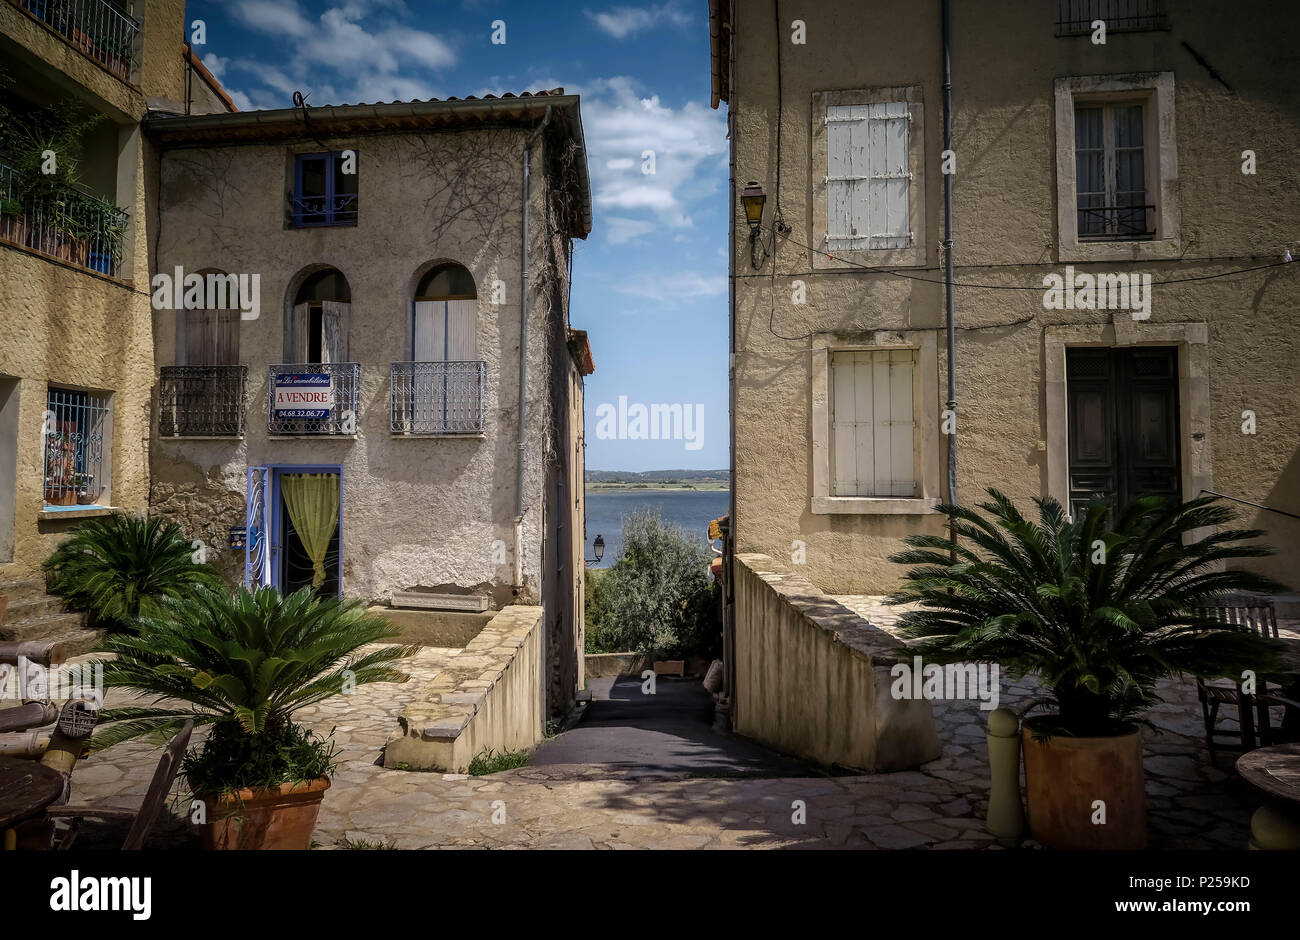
(430, 330)
(868, 176)
(299, 324)
(334, 331)
(874, 424)
(462, 330)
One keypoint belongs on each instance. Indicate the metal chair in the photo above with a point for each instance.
(1257, 615)
(143, 819)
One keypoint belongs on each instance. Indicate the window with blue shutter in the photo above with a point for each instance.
(323, 193)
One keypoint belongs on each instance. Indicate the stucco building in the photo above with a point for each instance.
(76, 346)
(348, 415)
(1163, 155)
(1106, 203)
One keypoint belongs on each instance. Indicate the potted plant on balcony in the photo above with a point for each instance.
(1098, 613)
(243, 665)
(14, 223)
(115, 53)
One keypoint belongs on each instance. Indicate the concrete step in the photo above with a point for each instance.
(81, 641)
(23, 589)
(33, 608)
(42, 628)
(422, 600)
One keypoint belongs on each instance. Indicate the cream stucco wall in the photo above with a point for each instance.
(417, 511)
(1005, 61)
(61, 325)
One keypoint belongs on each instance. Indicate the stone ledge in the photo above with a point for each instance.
(844, 626)
(488, 696)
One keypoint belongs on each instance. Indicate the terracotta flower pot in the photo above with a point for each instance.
(280, 817)
(61, 497)
(1066, 777)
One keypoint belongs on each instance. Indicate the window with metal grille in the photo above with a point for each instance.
(873, 423)
(323, 193)
(1110, 172)
(1075, 17)
(75, 426)
(868, 180)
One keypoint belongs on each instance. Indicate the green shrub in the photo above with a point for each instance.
(121, 567)
(244, 664)
(656, 599)
(489, 761)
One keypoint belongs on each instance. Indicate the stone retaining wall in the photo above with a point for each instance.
(489, 696)
(812, 677)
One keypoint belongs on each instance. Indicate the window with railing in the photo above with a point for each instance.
(100, 29)
(1110, 172)
(201, 401)
(62, 222)
(324, 189)
(1075, 17)
(75, 426)
(437, 397)
(310, 398)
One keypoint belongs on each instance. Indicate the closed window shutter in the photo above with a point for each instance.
(430, 330)
(462, 332)
(868, 177)
(874, 424)
(298, 329)
(334, 327)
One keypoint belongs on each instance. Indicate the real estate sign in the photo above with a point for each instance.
(308, 395)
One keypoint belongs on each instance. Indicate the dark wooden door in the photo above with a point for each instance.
(1123, 417)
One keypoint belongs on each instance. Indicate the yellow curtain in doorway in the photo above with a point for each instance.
(313, 503)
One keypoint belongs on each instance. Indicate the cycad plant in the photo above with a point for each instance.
(1099, 612)
(120, 567)
(244, 663)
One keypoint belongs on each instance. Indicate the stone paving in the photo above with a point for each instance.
(941, 805)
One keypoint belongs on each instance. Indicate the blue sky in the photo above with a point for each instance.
(650, 283)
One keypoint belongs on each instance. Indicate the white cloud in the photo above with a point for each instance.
(620, 126)
(621, 22)
(619, 231)
(379, 65)
(679, 285)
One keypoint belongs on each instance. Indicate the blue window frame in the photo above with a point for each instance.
(323, 194)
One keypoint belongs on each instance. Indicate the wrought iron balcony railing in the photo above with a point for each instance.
(96, 27)
(1117, 223)
(318, 211)
(313, 398)
(438, 397)
(62, 223)
(201, 401)
(1075, 17)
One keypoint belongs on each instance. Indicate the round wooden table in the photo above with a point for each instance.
(1274, 771)
(26, 788)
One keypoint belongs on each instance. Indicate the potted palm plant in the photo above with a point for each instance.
(1098, 612)
(242, 665)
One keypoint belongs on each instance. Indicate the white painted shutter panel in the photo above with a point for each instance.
(840, 183)
(462, 330)
(430, 327)
(334, 329)
(892, 184)
(874, 424)
(298, 326)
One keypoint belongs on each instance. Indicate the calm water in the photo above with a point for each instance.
(692, 510)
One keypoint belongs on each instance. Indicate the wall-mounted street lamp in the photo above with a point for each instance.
(598, 547)
(753, 198)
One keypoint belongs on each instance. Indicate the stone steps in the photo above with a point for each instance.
(33, 614)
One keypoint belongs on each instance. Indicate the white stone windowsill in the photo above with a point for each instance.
(467, 435)
(867, 505)
(200, 437)
(311, 437)
(87, 512)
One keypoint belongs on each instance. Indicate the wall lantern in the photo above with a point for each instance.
(753, 197)
(598, 547)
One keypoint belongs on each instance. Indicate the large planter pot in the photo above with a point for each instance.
(280, 817)
(1065, 777)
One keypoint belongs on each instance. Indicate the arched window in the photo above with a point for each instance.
(208, 335)
(445, 316)
(318, 325)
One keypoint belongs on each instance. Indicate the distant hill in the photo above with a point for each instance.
(657, 476)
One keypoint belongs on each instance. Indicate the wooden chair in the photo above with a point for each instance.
(1257, 615)
(142, 820)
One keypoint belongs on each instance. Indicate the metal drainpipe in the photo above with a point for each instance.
(947, 257)
(523, 364)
